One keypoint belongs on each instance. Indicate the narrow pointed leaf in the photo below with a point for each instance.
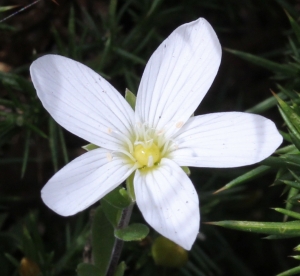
(102, 240)
(295, 140)
(291, 183)
(7, 8)
(253, 174)
(288, 213)
(291, 149)
(265, 105)
(295, 26)
(291, 117)
(272, 228)
(63, 145)
(26, 153)
(292, 271)
(270, 65)
(279, 237)
(53, 143)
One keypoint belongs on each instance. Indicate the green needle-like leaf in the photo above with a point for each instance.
(290, 116)
(271, 228)
(291, 183)
(288, 213)
(255, 173)
(26, 153)
(7, 8)
(295, 26)
(287, 70)
(293, 271)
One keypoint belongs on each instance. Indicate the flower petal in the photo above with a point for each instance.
(225, 140)
(82, 101)
(169, 202)
(177, 76)
(84, 181)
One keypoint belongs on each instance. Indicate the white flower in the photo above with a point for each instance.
(156, 139)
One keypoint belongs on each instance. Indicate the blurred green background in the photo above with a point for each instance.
(116, 38)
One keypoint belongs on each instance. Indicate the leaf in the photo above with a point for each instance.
(292, 271)
(290, 116)
(295, 26)
(130, 187)
(295, 140)
(130, 98)
(12, 259)
(291, 183)
(84, 269)
(102, 240)
(26, 152)
(127, 55)
(120, 269)
(133, 232)
(7, 8)
(279, 237)
(118, 198)
(186, 170)
(288, 213)
(90, 147)
(265, 105)
(53, 143)
(72, 34)
(112, 213)
(253, 174)
(29, 248)
(285, 69)
(272, 228)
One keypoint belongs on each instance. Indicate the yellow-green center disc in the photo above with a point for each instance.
(147, 156)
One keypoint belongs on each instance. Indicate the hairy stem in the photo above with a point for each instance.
(117, 249)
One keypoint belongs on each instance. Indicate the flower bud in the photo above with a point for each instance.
(167, 253)
(29, 268)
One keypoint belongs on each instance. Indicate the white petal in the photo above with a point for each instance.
(82, 101)
(178, 75)
(169, 202)
(224, 140)
(84, 181)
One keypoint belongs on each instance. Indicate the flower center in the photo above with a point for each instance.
(147, 155)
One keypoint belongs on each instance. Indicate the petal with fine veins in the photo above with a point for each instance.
(82, 101)
(169, 202)
(225, 140)
(84, 181)
(177, 76)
